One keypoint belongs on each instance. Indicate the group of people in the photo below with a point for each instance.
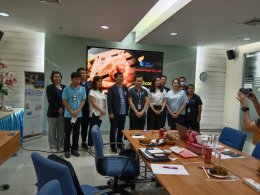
(82, 104)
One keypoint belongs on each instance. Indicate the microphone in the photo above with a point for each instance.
(4, 187)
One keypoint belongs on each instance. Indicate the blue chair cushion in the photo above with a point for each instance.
(233, 138)
(256, 152)
(51, 188)
(89, 189)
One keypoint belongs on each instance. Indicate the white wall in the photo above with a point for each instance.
(213, 62)
(234, 81)
(21, 51)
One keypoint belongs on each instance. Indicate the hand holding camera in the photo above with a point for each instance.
(248, 92)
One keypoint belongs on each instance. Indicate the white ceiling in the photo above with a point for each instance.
(80, 18)
(212, 23)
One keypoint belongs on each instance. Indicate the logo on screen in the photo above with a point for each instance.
(143, 63)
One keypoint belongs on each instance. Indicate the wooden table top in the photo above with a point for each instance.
(196, 182)
(9, 144)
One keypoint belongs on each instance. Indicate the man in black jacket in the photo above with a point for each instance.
(85, 110)
(117, 108)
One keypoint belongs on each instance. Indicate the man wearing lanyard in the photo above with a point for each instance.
(85, 110)
(138, 102)
(73, 99)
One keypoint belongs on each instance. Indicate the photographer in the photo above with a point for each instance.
(249, 125)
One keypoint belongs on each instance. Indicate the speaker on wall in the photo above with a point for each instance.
(231, 54)
(1, 35)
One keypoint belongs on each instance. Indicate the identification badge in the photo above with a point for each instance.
(188, 110)
(139, 107)
(74, 98)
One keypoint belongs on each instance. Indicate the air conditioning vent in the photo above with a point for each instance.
(252, 22)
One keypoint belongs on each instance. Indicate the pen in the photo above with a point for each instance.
(168, 167)
(204, 168)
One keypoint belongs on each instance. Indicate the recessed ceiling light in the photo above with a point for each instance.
(247, 39)
(104, 27)
(173, 33)
(42, 1)
(4, 14)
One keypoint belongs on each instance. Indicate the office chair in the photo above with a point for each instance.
(256, 151)
(51, 188)
(47, 170)
(118, 167)
(233, 138)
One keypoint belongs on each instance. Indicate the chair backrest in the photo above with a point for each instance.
(256, 151)
(98, 141)
(51, 188)
(232, 137)
(47, 170)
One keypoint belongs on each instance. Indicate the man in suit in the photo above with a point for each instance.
(117, 108)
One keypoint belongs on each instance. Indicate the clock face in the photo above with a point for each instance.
(203, 76)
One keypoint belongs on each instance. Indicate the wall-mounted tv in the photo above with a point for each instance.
(105, 62)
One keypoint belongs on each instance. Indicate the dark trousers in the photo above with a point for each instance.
(94, 120)
(116, 126)
(137, 123)
(75, 134)
(172, 121)
(192, 124)
(164, 117)
(154, 121)
(84, 124)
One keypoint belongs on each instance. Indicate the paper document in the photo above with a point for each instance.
(138, 136)
(169, 169)
(223, 157)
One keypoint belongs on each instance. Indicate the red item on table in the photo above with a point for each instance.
(161, 133)
(208, 155)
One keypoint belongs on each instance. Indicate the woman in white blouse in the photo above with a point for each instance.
(157, 101)
(97, 106)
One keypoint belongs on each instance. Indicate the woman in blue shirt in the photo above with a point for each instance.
(176, 100)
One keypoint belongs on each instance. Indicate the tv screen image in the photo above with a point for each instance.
(105, 62)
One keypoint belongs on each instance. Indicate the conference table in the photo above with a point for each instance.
(9, 144)
(197, 181)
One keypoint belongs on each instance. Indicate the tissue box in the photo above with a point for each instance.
(194, 147)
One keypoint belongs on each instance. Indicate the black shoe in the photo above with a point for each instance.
(84, 146)
(75, 153)
(121, 147)
(67, 154)
(114, 150)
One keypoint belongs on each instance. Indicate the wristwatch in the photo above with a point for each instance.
(244, 109)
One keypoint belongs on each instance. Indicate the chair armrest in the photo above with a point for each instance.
(111, 165)
(105, 191)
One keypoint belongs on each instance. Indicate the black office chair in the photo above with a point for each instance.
(119, 167)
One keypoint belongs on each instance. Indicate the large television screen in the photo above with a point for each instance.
(105, 62)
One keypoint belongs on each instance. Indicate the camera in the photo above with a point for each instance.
(246, 91)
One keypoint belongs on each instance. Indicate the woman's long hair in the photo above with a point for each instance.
(153, 88)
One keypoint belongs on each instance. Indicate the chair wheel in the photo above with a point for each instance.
(157, 184)
(133, 187)
(110, 182)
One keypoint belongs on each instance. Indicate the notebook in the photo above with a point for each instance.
(183, 152)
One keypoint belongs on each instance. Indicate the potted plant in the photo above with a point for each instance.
(7, 81)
